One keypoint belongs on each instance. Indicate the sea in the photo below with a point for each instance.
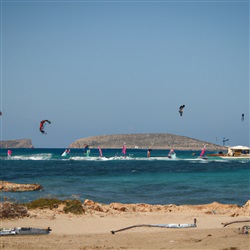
(134, 178)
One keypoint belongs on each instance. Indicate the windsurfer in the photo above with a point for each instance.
(66, 152)
(9, 152)
(148, 153)
(171, 152)
(100, 151)
(202, 155)
(124, 148)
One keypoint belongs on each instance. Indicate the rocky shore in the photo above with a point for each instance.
(219, 226)
(14, 187)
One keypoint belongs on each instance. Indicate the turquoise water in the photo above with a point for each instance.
(134, 179)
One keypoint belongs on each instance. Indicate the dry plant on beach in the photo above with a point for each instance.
(12, 210)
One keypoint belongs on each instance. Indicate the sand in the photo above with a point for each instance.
(92, 230)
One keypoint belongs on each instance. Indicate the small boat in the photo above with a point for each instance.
(237, 153)
(23, 231)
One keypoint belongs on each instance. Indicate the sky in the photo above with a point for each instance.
(122, 67)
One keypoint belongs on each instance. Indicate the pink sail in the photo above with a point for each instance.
(100, 151)
(124, 149)
(203, 151)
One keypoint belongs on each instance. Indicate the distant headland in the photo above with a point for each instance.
(144, 141)
(20, 143)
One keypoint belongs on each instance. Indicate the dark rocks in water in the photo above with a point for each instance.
(14, 187)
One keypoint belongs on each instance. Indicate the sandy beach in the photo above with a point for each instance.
(92, 229)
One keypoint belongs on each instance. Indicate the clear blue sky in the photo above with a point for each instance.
(111, 67)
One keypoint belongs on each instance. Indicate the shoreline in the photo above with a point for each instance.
(92, 229)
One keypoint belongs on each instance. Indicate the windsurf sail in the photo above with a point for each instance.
(203, 151)
(171, 153)
(66, 152)
(100, 151)
(86, 150)
(124, 148)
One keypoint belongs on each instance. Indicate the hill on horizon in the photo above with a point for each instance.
(144, 141)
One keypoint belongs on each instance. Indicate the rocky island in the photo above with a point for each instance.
(20, 143)
(144, 141)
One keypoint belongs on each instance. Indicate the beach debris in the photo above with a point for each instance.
(14, 187)
(181, 109)
(244, 230)
(42, 125)
(24, 231)
(157, 225)
(238, 221)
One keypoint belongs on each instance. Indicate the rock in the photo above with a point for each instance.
(153, 141)
(14, 187)
(21, 143)
(213, 208)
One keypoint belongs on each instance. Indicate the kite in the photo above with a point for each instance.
(1, 113)
(42, 124)
(181, 109)
(242, 117)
